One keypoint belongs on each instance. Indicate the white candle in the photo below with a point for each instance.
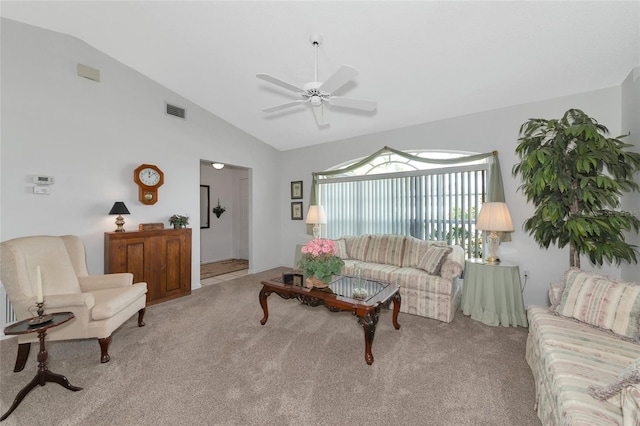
(40, 298)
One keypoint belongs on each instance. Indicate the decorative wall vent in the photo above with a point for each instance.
(176, 111)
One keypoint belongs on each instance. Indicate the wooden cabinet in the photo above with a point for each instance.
(161, 258)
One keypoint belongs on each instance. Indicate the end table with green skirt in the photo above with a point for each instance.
(492, 293)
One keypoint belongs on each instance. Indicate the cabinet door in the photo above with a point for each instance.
(127, 255)
(153, 267)
(175, 272)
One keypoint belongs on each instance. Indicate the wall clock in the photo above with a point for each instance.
(149, 178)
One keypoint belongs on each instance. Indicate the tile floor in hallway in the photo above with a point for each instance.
(225, 277)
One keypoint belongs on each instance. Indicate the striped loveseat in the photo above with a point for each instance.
(425, 270)
(584, 352)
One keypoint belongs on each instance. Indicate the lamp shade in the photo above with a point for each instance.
(494, 217)
(316, 215)
(119, 208)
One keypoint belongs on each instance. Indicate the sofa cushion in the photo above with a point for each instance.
(376, 271)
(629, 376)
(386, 249)
(433, 259)
(357, 246)
(111, 301)
(601, 302)
(341, 249)
(350, 267)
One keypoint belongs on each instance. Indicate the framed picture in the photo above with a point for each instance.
(296, 210)
(204, 206)
(296, 190)
(298, 280)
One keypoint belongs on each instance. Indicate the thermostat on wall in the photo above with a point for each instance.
(43, 180)
(41, 190)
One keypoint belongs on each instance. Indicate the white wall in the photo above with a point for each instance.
(221, 240)
(91, 136)
(483, 132)
(631, 125)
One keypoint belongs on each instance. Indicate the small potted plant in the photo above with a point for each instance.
(179, 221)
(218, 210)
(319, 262)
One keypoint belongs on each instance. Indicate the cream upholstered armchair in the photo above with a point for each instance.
(101, 303)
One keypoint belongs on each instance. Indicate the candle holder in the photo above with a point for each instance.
(359, 292)
(41, 318)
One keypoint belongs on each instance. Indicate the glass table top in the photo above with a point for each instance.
(356, 288)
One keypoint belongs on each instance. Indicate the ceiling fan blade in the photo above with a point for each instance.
(283, 106)
(339, 78)
(353, 103)
(278, 82)
(319, 113)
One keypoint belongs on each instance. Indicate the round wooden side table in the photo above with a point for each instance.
(43, 375)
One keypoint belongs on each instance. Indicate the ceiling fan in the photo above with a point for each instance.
(318, 93)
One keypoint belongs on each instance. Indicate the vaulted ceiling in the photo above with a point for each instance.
(421, 61)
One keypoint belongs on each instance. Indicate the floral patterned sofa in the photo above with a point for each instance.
(584, 352)
(425, 270)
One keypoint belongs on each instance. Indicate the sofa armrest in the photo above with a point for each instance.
(450, 270)
(103, 282)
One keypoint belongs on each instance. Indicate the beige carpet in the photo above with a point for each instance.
(204, 359)
(208, 270)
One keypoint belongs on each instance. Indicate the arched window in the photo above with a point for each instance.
(407, 193)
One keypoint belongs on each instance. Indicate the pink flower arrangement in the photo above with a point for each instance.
(320, 246)
(319, 259)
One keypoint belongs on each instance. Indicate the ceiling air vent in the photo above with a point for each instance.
(175, 111)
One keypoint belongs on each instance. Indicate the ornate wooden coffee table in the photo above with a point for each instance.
(339, 296)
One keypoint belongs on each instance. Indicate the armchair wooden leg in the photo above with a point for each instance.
(104, 348)
(140, 316)
(23, 354)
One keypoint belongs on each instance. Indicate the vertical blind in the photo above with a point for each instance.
(439, 204)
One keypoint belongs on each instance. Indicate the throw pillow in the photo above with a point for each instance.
(433, 259)
(358, 247)
(341, 249)
(602, 302)
(629, 376)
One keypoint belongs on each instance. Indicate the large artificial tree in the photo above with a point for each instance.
(575, 176)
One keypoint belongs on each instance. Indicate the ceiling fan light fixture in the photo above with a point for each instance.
(316, 101)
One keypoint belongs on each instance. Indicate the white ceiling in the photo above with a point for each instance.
(422, 61)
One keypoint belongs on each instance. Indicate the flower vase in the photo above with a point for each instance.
(178, 226)
(313, 282)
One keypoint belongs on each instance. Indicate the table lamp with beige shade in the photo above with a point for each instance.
(494, 217)
(316, 217)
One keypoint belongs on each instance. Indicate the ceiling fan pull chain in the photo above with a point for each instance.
(315, 65)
